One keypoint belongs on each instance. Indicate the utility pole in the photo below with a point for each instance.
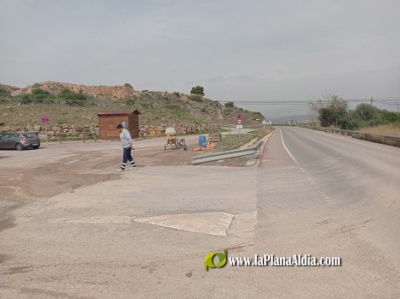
(371, 107)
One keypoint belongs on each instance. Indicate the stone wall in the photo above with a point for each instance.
(145, 131)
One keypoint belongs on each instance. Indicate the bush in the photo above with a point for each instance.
(197, 90)
(79, 128)
(130, 101)
(349, 122)
(4, 93)
(72, 98)
(389, 116)
(195, 98)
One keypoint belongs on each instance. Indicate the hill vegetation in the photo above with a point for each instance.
(78, 104)
(334, 112)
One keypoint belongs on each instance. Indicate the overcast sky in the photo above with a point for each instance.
(267, 50)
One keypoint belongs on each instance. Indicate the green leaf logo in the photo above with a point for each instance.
(209, 263)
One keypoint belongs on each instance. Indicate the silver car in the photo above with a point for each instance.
(19, 141)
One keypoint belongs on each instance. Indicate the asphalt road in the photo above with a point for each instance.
(329, 195)
(145, 233)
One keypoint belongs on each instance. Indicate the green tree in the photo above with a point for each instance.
(389, 116)
(349, 121)
(197, 90)
(366, 112)
(330, 110)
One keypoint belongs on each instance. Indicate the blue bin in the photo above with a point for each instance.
(202, 141)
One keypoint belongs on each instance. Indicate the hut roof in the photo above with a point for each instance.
(118, 112)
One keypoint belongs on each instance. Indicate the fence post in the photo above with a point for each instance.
(84, 141)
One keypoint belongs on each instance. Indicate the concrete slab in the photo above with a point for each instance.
(214, 223)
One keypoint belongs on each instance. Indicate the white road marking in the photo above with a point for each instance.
(283, 143)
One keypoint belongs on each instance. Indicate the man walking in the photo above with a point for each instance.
(127, 146)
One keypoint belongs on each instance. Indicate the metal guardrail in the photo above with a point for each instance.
(384, 139)
(227, 154)
(339, 131)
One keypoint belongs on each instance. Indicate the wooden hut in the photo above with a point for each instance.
(109, 119)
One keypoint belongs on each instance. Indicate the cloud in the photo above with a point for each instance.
(253, 50)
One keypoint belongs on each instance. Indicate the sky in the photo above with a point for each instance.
(247, 52)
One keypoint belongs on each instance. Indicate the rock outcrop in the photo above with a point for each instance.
(110, 92)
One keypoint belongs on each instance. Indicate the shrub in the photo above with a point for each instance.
(72, 98)
(4, 93)
(195, 98)
(197, 90)
(79, 128)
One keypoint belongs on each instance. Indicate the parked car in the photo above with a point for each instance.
(19, 141)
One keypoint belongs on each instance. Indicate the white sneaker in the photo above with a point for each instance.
(120, 169)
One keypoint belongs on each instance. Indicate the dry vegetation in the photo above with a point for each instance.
(233, 141)
(392, 130)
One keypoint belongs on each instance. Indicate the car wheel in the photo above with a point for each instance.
(19, 147)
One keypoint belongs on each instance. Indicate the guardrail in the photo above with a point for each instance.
(384, 139)
(226, 154)
(339, 131)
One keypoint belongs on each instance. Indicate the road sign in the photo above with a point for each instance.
(239, 127)
(45, 119)
(239, 116)
(239, 121)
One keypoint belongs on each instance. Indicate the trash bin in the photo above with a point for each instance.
(202, 141)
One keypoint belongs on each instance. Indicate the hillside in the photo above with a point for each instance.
(111, 93)
(26, 106)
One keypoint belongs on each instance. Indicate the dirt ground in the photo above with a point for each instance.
(46, 177)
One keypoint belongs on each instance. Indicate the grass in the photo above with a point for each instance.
(393, 130)
(156, 108)
(58, 114)
(233, 141)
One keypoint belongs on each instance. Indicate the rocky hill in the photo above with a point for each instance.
(8, 88)
(22, 107)
(110, 92)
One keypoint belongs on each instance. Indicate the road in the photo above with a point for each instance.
(145, 233)
(330, 195)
